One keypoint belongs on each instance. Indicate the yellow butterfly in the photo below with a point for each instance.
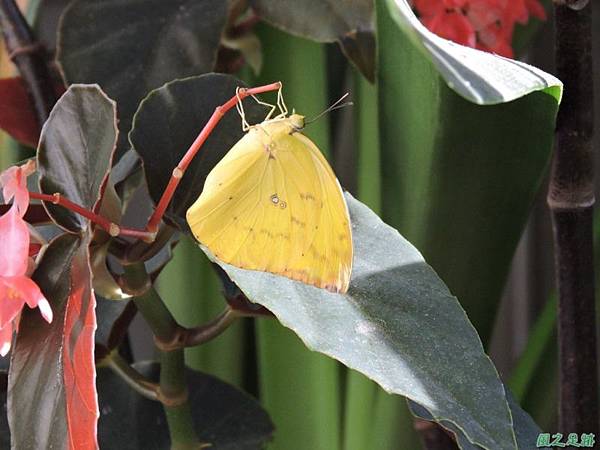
(274, 204)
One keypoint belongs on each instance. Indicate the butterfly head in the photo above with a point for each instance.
(297, 122)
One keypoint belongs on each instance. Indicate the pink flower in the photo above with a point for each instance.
(16, 288)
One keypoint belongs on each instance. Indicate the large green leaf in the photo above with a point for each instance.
(349, 22)
(226, 418)
(526, 430)
(168, 121)
(75, 151)
(130, 47)
(466, 139)
(399, 325)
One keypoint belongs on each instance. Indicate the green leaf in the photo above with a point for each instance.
(75, 151)
(37, 397)
(130, 47)
(225, 417)
(526, 430)
(399, 325)
(169, 120)
(459, 177)
(349, 22)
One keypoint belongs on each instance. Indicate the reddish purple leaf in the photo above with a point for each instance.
(79, 370)
(36, 214)
(17, 117)
(43, 411)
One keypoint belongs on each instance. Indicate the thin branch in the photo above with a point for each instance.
(110, 227)
(191, 337)
(132, 377)
(571, 200)
(29, 57)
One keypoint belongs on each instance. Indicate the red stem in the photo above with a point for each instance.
(179, 171)
(110, 227)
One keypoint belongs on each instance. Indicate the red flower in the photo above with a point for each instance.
(453, 26)
(485, 24)
(16, 288)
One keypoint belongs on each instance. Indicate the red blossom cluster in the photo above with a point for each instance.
(484, 24)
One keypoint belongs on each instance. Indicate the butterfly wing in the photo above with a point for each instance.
(274, 204)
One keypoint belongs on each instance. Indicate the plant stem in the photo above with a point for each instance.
(28, 55)
(204, 333)
(136, 282)
(169, 335)
(173, 386)
(172, 391)
(571, 200)
(111, 228)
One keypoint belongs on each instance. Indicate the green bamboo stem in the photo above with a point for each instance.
(173, 387)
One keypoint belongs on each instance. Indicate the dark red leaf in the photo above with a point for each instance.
(79, 370)
(52, 399)
(36, 214)
(17, 117)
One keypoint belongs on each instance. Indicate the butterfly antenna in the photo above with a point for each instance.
(337, 105)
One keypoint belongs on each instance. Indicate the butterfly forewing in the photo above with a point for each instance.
(274, 204)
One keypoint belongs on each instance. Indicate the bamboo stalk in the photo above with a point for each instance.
(571, 200)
